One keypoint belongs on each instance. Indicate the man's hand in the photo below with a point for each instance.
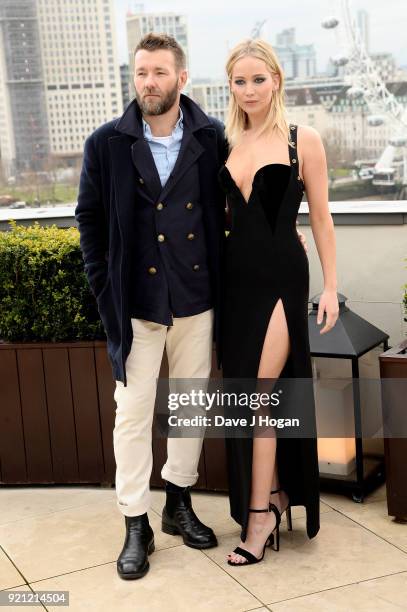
(303, 240)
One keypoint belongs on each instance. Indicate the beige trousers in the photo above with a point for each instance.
(188, 343)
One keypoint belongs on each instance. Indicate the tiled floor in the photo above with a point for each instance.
(68, 538)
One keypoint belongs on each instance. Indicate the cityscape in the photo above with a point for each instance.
(61, 77)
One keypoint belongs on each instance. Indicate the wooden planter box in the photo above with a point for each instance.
(393, 364)
(57, 417)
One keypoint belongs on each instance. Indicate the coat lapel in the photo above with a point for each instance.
(144, 163)
(130, 124)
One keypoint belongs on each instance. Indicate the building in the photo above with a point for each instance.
(124, 80)
(310, 103)
(24, 138)
(81, 70)
(297, 61)
(286, 38)
(386, 66)
(342, 121)
(141, 23)
(212, 97)
(362, 21)
(349, 117)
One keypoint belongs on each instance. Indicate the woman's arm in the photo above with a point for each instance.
(315, 175)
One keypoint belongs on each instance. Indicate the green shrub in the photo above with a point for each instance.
(44, 294)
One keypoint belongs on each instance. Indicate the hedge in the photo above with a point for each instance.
(44, 294)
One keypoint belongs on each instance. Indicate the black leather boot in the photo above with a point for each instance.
(178, 518)
(138, 544)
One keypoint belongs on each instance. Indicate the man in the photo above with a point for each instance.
(151, 222)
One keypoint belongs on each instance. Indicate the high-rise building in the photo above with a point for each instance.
(24, 141)
(59, 78)
(139, 24)
(81, 70)
(297, 61)
(125, 78)
(286, 38)
(362, 21)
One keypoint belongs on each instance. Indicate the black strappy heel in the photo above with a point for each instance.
(287, 511)
(274, 543)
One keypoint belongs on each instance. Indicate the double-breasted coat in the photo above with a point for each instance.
(119, 170)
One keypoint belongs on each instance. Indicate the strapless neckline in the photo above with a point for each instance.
(247, 202)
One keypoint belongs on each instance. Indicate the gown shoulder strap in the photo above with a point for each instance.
(292, 150)
(293, 137)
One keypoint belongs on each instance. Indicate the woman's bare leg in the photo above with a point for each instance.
(276, 348)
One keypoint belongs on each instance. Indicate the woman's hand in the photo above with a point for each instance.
(301, 236)
(328, 304)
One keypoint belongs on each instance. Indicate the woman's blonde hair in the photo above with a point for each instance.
(237, 118)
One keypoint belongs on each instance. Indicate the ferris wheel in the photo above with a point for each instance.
(365, 81)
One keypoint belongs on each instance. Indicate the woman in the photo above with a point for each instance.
(265, 305)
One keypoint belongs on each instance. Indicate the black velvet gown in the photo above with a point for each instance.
(264, 261)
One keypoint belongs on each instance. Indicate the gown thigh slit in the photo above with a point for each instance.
(271, 365)
(264, 262)
(274, 337)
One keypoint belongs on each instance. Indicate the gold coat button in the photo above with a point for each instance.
(161, 237)
(160, 206)
(191, 236)
(152, 270)
(141, 181)
(189, 205)
(196, 267)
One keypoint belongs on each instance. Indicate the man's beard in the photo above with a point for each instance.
(158, 107)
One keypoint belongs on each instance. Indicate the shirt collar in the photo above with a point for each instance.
(179, 125)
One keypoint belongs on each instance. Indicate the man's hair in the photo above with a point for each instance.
(156, 42)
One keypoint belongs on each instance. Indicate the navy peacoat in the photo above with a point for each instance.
(115, 157)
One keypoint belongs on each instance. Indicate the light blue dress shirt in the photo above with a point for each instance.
(165, 149)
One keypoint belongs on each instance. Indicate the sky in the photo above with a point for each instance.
(214, 26)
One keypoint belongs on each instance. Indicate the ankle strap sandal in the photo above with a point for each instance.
(250, 558)
(287, 511)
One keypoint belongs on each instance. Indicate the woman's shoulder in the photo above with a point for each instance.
(307, 135)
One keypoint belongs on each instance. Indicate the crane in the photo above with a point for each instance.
(258, 26)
